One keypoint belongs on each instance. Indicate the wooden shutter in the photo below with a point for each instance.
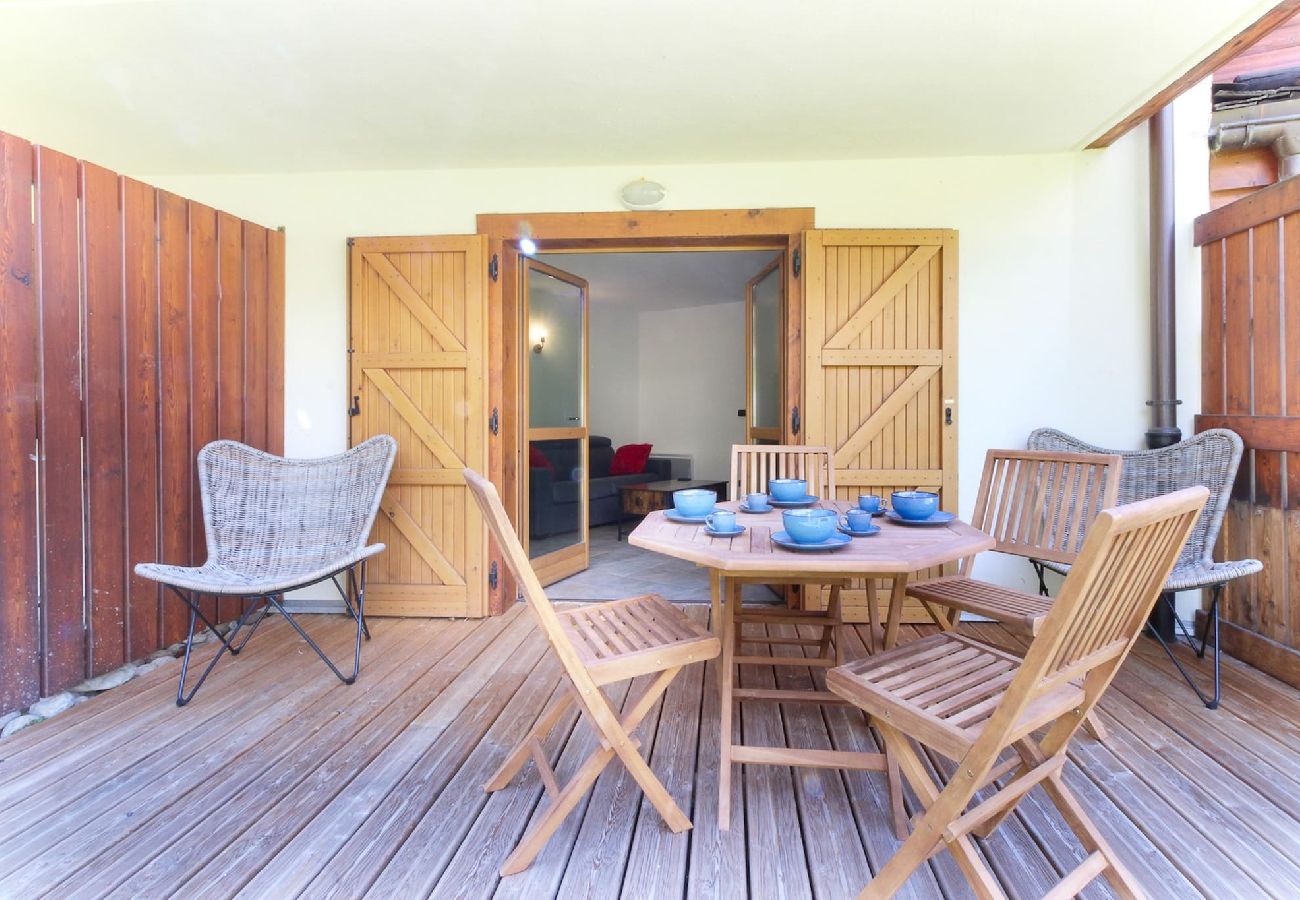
(418, 371)
(880, 361)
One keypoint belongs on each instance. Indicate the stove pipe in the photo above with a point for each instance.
(1163, 403)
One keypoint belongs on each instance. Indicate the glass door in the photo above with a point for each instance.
(764, 355)
(555, 397)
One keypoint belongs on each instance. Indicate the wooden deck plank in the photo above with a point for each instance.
(463, 713)
(657, 856)
(771, 811)
(103, 812)
(543, 878)
(269, 819)
(376, 789)
(717, 858)
(408, 840)
(837, 865)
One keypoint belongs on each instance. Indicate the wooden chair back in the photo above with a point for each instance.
(498, 523)
(1039, 504)
(753, 465)
(1106, 598)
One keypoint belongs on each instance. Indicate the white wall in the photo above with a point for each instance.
(615, 372)
(692, 368)
(1053, 268)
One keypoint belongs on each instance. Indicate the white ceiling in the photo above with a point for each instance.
(670, 280)
(194, 86)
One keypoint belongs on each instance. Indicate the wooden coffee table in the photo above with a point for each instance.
(639, 499)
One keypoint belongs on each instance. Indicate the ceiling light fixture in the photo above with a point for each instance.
(643, 194)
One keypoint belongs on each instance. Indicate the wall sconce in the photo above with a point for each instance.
(539, 340)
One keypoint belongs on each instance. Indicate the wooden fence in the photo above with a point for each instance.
(135, 326)
(1250, 350)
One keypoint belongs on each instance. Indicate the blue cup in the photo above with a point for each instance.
(809, 526)
(856, 520)
(694, 501)
(723, 521)
(788, 490)
(915, 505)
(757, 502)
(870, 502)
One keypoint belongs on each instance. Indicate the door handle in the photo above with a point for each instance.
(575, 418)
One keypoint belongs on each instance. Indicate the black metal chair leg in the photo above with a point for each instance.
(349, 594)
(196, 615)
(1211, 701)
(1041, 571)
(360, 618)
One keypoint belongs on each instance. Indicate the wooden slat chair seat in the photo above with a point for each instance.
(1009, 606)
(752, 467)
(972, 703)
(622, 639)
(597, 644)
(945, 687)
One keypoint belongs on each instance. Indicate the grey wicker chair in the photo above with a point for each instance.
(274, 525)
(1210, 458)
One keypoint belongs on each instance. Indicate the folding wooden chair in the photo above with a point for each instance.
(970, 702)
(1034, 504)
(752, 466)
(597, 644)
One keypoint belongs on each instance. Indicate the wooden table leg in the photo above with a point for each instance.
(715, 600)
(896, 596)
(730, 595)
(873, 615)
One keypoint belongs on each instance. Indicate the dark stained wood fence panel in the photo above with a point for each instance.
(19, 639)
(233, 350)
(63, 639)
(255, 333)
(104, 410)
(275, 342)
(204, 359)
(133, 330)
(1250, 344)
(141, 395)
(176, 453)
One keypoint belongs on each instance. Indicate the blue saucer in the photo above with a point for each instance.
(874, 529)
(744, 507)
(939, 518)
(834, 542)
(740, 529)
(808, 500)
(672, 515)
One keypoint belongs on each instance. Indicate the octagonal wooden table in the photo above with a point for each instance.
(894, 553)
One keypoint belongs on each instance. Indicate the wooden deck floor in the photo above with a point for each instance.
(279, 782)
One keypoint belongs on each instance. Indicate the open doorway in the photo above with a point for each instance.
(684, 352)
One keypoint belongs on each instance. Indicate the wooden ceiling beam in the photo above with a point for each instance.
(1257, 29)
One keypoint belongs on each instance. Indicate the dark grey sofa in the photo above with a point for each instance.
(553, 495)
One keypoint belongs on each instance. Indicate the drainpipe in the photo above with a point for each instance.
(1164, 403)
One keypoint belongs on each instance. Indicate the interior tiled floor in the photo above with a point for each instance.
(620, 570)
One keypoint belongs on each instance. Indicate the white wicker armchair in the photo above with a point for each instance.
(1210, 458)
(274, 525)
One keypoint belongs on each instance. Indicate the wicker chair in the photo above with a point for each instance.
(274, 525)
(1210, 458)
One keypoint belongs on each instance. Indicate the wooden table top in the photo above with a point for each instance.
(897, 549)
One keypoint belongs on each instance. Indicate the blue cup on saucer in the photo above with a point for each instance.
(856, 520)
(788, 490)
(723, 521)
(809, 526)
(756, 502)
(694, 502)
(870, 503)
(915, 505)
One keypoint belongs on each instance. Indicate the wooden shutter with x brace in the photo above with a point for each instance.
(418, 351)
(880, 363)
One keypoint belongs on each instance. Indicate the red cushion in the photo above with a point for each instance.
(537, 460)
(630, 459)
